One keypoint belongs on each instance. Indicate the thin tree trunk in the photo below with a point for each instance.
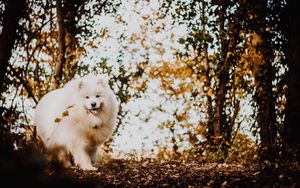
(223, 76)
(207, 83)
(219, 119)
(62, 44)
(12, 13)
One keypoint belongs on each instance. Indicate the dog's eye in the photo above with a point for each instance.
(87, 97)
(97, 96)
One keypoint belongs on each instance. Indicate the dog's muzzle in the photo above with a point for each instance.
(95, 110)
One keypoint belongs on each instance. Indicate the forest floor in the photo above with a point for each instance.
(147, 173)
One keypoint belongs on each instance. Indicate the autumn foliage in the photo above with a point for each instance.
(216, 80)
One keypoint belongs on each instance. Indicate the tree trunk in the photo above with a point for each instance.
(266, 108)
(12, 13)
(62, 44)
(67, 31)
(71, 9)
(264, 75)
(292, 120)
(219, 119)
(209, 102)
(11, 16)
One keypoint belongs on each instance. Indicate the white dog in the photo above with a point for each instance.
(76, 119)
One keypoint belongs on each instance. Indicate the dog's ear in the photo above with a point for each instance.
(80, 85)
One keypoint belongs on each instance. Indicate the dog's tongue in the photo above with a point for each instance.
(94, 110)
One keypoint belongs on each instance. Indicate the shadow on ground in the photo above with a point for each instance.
(19, 171)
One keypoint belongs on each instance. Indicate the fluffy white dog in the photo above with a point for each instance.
(77, 119)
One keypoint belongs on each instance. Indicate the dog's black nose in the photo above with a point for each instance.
(93, 104)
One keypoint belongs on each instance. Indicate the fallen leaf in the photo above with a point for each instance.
(57, 120)
(65, 113)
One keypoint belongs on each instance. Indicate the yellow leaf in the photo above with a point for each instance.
(209, 92)
(65, 113)
(57, 120)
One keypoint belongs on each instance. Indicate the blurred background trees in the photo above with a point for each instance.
(225, 89)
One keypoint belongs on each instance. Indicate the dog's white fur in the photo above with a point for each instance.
(77, 119)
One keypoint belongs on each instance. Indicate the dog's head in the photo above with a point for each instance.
(92, 90)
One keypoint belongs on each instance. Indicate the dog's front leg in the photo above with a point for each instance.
(82, 158)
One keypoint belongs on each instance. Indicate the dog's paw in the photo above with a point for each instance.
(88, 167)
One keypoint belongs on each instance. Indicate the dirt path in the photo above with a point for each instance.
(124, 173)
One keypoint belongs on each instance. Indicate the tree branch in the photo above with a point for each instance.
(24, 83)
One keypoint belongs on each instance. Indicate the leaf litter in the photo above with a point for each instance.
(149, 173)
